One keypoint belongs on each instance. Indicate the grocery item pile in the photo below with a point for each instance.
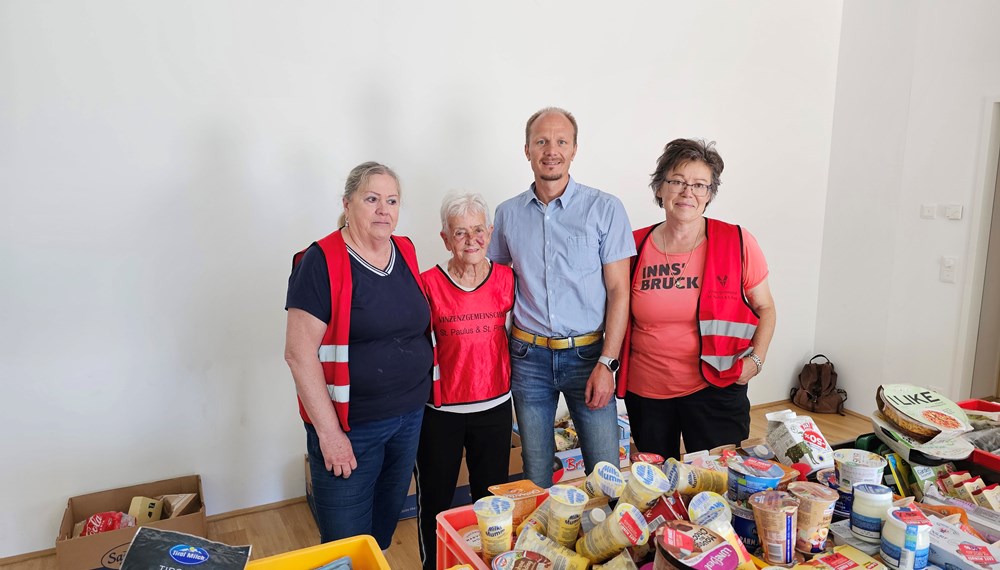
(906, 497)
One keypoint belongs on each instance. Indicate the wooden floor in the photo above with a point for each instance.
(289, 525)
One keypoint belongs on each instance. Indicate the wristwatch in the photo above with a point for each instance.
(612, 363)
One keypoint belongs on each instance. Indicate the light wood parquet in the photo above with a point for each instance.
(282, 527)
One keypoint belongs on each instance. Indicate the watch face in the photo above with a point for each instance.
(614, 365)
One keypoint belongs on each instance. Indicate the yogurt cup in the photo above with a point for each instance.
(496, 524)
(905, 543)
(560, 556)
(623, 528)
(719, 521)
(691, 480)
(816, 503)
(645, 486)
(604, 481)
(857, 467)
(565, 509)
(749, 475)
(706, 501)
(775, 513)
(745, 527)
(845, 500)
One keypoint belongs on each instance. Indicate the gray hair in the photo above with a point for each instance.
(455, 204)
(531, 120)
(360, 175)
(679, 152)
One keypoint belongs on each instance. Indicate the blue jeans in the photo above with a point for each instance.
(538, 376)
(370, 500)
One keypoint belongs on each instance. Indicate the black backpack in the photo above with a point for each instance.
(817, 390)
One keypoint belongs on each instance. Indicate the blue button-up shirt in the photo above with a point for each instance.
(558, 252)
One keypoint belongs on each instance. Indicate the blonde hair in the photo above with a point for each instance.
(358, 178)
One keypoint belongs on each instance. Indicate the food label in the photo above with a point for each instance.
(630, 528)
(977, 554)
(903, 558)
(838, 561)
(862, 526)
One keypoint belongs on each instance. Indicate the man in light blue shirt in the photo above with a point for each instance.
(570, 247)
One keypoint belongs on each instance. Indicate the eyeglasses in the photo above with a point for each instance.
(477, 232)
(698, 189)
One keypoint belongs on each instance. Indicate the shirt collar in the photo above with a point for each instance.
(563, 200)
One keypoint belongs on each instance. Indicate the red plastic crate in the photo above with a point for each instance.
(451, 548)
(979, 405)
(980, 457)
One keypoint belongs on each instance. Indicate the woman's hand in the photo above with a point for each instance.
(749, 371)
(337, 453)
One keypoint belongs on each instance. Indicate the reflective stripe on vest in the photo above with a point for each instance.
(725, 362)
(340, 394)
(333, 353)
(727, 328)
(437, 372)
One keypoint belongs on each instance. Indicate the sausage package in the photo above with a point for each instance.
(156, 549)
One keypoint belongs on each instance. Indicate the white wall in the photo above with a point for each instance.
(915, 89)
(160, 163)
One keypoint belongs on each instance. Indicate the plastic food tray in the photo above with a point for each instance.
(363, 550)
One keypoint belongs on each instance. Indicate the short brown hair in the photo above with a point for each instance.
(531, 120)
(682, 151)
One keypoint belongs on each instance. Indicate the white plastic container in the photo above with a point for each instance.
(868, 512)
(906, 539)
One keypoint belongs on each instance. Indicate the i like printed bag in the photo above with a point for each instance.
(817, 390)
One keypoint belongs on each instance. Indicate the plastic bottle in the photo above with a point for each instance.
(868, 512)
(906, 539)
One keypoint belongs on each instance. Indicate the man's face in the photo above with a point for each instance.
(550, 148)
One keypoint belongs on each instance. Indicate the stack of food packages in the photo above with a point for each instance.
(771, 501)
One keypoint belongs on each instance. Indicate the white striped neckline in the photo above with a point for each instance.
(380, 272)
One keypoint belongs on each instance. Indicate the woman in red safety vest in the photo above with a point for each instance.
(470, 299)
(701, 316)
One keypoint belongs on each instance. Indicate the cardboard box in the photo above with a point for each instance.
(106, 550)
(571, 460)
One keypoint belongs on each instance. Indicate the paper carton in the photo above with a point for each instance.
(107, 549)
(797, 439)
(954, 549)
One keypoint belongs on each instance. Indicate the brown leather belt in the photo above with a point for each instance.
(556, 343)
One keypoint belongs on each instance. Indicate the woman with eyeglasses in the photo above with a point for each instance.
(470, 299)
(701, 315)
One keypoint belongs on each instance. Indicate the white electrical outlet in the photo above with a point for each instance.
(949, 265)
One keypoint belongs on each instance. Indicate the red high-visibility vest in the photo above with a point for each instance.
(726, 321)
(333, 350)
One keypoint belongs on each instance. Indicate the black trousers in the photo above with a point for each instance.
(485, 436)
(708, 418)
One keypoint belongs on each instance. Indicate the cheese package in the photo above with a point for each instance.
(988, 497)
(965, 489)
(921, 414)
(842, 558)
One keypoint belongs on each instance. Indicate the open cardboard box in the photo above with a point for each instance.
(106, 550)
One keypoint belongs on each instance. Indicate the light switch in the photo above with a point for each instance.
(953, 211)
(928, 211)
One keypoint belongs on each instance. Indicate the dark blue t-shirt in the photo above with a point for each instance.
(389, 354)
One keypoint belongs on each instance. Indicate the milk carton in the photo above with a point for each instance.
(797, 439)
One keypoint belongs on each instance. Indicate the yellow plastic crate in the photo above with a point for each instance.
(363, 550)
